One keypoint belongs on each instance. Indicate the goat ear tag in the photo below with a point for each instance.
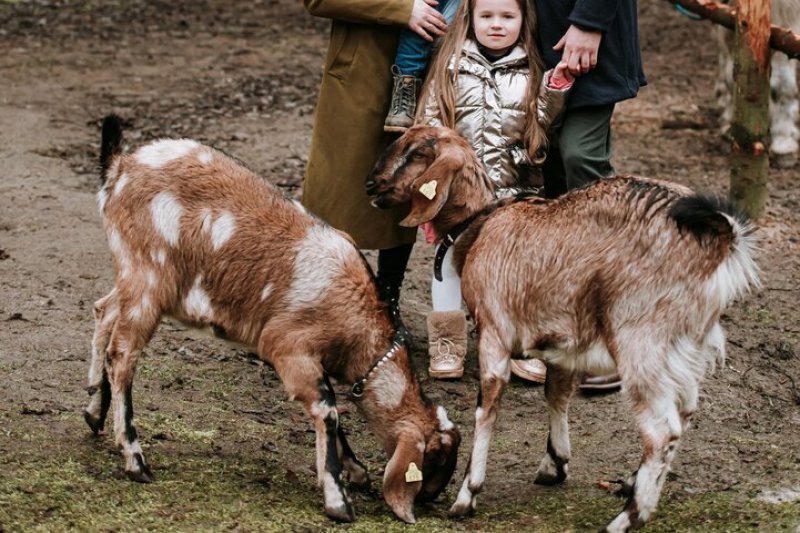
(428, 190)
(413, 473)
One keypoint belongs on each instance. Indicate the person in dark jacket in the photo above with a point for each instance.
(599, 42)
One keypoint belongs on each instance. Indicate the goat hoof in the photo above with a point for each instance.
(142, 474)
(460, 510)
(341, 513)
(95, 423)
(361, 484)
(549, 480)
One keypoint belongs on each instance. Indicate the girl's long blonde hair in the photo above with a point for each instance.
(444, 83)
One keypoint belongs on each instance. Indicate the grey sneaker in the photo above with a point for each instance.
(404, 102)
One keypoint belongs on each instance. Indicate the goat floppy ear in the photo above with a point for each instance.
(403, 477)
(432, 188)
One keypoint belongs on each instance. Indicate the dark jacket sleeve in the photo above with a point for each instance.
(395, 12)
(594, 14)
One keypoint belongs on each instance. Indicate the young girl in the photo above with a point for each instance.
(487, 83)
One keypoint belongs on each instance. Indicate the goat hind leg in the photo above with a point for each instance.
(661, 426)
(558, 389)
(132, 331)
(105, 316)
(495, 373)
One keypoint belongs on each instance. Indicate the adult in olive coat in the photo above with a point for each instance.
(348, 132)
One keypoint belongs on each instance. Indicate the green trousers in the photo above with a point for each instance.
(579, 151)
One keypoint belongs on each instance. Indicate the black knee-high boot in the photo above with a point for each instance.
(392, 264)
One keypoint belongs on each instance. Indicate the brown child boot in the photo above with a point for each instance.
(447, 344)
(404, 102)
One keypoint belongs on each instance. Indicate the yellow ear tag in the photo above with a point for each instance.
(413, 473)
(428, 190)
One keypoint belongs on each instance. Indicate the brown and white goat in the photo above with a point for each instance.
(196, 236)
(627, 274)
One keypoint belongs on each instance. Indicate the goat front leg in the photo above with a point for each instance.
(105, 316)
(304, 380)
(495, 372)
(559, 386)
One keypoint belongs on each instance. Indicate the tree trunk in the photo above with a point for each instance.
(750, 126)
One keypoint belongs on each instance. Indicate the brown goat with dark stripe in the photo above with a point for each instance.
(627, 274)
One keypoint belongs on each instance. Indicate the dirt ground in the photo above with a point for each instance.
(227, 449)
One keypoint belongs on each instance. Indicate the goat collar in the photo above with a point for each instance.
(447, 241)
(357, 391)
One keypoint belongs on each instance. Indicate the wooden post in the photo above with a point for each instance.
(750, 125)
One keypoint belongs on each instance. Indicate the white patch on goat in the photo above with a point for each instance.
(152, 278)
(136, 312)
(159, 153)
(120, 184)
(333, 493)
(197, 304)
(205, 156)
(480, 450)
(102, 197)
(222, 229)
(159, 256)
(166, 212)
(596, 360)
(389, 384)
(444, 422)
(120, 252)
(547, 467)
(266, 292)
(620, 524)
(319, 258)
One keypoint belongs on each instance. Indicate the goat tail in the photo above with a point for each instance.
(110, 144)
(720, 226)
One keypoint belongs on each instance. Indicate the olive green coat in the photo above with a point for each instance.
(348, 132)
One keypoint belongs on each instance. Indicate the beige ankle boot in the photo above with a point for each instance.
(447, 344)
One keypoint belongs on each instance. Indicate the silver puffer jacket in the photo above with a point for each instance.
(490, 109)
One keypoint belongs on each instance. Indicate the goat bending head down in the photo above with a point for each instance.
(196, 236)
(627, 274)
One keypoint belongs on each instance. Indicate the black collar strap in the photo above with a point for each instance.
(447, 241)
(357, 391)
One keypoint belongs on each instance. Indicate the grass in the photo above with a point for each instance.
(201, 487)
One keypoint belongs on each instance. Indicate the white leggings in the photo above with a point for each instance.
(446, 294)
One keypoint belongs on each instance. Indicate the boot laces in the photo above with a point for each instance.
(445, 350)
(404, 96)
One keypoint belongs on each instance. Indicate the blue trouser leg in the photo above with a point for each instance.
(413, 51)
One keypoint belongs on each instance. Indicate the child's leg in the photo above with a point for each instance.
(413, 51)
(447, 324)
(410, 63)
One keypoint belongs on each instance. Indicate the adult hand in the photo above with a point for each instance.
(426, 21)
(580, 50)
